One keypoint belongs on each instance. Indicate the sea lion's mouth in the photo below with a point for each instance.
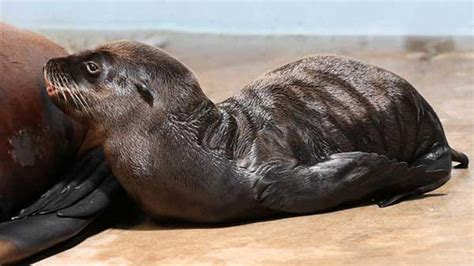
(50, 88)
(52, 91)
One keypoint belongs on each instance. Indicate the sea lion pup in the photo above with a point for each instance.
(312, 135)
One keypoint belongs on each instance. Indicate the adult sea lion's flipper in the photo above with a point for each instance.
(20, 239)
(83, 178)
(62, 212)
(350, 177)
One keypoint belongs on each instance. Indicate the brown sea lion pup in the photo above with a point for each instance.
(313, 135)
(39, 147)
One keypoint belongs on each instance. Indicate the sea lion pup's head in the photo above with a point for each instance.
(121, 82)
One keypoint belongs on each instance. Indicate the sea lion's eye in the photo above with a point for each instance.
(92, 68)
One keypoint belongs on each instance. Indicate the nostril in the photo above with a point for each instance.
(51, 90)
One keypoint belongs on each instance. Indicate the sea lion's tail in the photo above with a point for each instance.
(459, 157)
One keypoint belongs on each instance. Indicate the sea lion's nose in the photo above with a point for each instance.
(47, 64)
(59, 61)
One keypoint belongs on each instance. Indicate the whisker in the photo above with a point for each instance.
(64, 88)
(56, 83)
(78, 95)
(59, 88)
(45, 75)
(76, 100)
(82, 99)
(69, 91)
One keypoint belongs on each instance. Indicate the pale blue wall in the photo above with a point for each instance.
(307, 17)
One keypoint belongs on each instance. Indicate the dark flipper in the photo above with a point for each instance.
(6, 209)
(436, 159)
(461, 158)
(22, 238)
(80, 180)
(346, 178)
(50, 221)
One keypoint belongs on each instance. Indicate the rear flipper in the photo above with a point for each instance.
(461, 158)
(62, 212)
(345, 178)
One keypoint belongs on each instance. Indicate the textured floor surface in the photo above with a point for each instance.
(436, 229)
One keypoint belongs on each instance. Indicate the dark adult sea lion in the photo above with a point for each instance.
(313, 135)
(40, 146)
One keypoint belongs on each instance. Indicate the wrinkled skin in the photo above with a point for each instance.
(36, 139)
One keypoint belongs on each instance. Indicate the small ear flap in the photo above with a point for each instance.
(145, 93)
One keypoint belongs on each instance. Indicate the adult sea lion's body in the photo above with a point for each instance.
(312, 135)
(36, 138)
(39, 147)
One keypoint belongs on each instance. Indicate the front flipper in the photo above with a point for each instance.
(62, 212)
(344, 178)
(83, 178)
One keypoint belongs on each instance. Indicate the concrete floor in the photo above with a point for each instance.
(436, 229)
